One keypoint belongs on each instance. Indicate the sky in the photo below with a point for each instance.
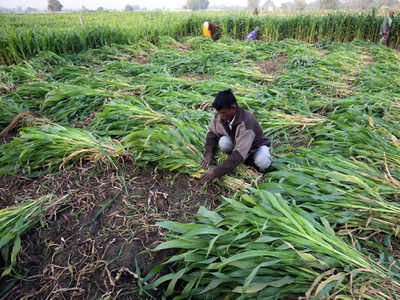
(118, 4)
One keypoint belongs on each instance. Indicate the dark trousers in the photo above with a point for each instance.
(384, 39)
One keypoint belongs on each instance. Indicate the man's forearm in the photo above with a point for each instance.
(229, 164)
(211, 143)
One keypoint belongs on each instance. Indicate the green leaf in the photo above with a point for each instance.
(6, 239)
(253, 273)
(212, 285)
(213, 216)
(189, 286)
(15, 250)
(253, 288)
(6, 272)
(181, 244)
(173, 281)
(249, 254)
(173, 226)
(266, 239)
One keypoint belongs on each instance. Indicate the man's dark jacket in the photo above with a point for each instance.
(246, 134)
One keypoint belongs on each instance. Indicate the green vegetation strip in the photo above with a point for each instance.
(18, 219)
(260, 245)
(20, 40)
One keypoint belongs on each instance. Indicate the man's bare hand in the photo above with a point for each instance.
(205, 163)
(207, 176)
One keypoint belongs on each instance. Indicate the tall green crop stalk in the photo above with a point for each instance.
(349, 193)
(64, 34)
(8, 110)
(172, 148)
(16, 221)
(120, 117)
(70, 102)
(261, 247)
(49, 147)
(279, 122)
(362, 142)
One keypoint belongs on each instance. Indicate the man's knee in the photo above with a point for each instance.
(225, 143)
(262, 158)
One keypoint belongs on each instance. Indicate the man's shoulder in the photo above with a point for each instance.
(215, 120)
(216, 117)
(246, 115)
(247, 119)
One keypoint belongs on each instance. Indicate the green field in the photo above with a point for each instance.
(322, 223)
(23, 36)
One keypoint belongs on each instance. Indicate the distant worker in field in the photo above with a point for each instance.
(255, 12)
(211, 30)
(387, 29)
(237, 133)
(252, 36)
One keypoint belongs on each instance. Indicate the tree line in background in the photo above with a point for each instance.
(55, 5)
(323, 4)
(196, 4)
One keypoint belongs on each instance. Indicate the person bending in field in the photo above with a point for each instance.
(211, 30)
(252, 36)
(237, 132)
(387, 29)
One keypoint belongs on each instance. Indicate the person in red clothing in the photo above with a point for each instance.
(238, 133)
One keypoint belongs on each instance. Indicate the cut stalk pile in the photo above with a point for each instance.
(18, 219)
(50, 147)
(260, 246)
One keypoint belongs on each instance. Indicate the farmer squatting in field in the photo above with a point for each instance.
(252, 36)
(211, 30)
(387, 29)
(238, 133)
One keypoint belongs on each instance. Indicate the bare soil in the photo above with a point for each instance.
(195, 76)
(141, 60)
(100, 243)
(273, 66)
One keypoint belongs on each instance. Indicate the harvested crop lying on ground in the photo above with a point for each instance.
(261, 245)
(18, 219)
(53, 146)
(322, 222)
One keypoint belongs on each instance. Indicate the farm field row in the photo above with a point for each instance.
(322, 221)
(23, 36)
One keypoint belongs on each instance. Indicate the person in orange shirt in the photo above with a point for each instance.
(209, 30)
